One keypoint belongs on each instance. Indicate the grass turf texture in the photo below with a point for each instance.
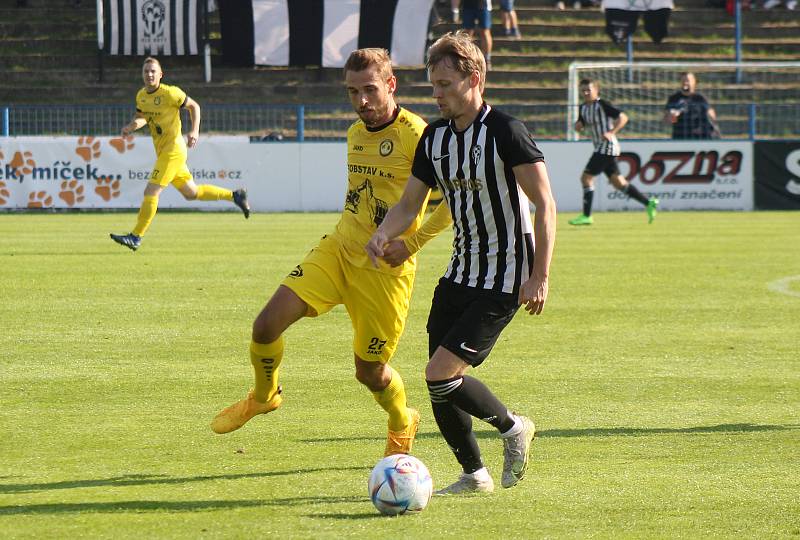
(663, 378)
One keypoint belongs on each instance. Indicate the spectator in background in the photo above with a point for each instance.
(454, 7)
(689, 112)
(479, 13)
(790, 4)
(510, 23)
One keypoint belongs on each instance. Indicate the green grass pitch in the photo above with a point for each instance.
(663, 376)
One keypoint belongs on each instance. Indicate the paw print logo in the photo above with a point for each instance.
(107, 188)
(71, 192)
(39, 199)
(122, 144)
(4, 193)
(22, 163)
(88, 148)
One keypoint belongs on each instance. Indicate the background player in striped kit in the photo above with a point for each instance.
(603, 122)
(488, 169)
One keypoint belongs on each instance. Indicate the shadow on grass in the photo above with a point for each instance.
(624, 431)
(596, 432)
(349, 517)
(146, 479)
(170, 506)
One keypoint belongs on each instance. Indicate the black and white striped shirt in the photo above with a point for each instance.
(493, 240)
(598, 117)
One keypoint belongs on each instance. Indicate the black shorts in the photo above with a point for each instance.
(601, 163)
(467, 321)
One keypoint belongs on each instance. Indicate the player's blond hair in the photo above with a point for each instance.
(361, 59)
(152, 60)
(460, 51)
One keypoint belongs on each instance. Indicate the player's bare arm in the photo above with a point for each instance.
(399, 218)
(138, 122)
(397, 251)
(619, 123)
(534, 181)
(194, 113)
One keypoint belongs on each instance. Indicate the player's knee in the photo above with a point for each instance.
(264, 328)
(189, 195)
(373, 375)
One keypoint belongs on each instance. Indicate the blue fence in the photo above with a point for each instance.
(330, 122)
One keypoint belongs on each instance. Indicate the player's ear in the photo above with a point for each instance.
(392, 84)
(475, 79)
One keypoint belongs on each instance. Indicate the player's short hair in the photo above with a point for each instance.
(462, 53)
(152, 60)
(587, 82)
(361, 59)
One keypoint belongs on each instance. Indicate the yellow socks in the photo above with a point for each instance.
(146, 214)
(266, 358)
(207, 192)
(393, 400)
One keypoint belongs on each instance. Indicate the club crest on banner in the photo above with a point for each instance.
(154, 14)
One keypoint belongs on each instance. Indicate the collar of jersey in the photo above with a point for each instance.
(387, 124)
(480, 117)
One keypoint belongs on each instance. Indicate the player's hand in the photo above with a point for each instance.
(375, 247)
(192, 139)
(395, 252)
(608, 136)
(126, 130)
(533, 295)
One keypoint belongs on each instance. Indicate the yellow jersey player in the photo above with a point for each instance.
(158, 107)
(380, 151)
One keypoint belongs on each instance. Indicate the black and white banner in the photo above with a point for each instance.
(325, 32)
(151, 27)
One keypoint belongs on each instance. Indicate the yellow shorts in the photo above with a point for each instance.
(170, 168)
(376, 302)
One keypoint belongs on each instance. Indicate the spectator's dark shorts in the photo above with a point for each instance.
(600, 163)
(467, 321)
(507, 5)
(483, 18)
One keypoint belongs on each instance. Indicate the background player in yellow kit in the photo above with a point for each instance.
(380, 150)
(158, 107)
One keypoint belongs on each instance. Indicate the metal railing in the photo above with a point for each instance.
(330, 122)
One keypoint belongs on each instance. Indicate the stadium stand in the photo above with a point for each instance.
(48, 54)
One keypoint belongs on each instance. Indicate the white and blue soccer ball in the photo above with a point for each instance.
(400, 484)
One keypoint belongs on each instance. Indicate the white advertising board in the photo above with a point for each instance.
(111, 172)
(106, 172)
(684, 175)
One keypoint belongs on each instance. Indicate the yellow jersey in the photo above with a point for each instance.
(378, 167)
(161, 109)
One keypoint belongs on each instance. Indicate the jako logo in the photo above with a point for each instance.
(682, 167)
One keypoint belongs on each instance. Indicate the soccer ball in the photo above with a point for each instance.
(400, 484)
